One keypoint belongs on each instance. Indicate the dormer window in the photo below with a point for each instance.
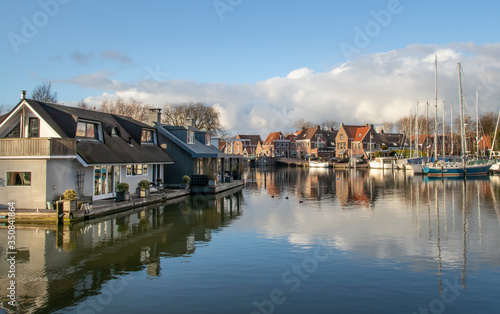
(190, 137)
(208, 140)
(87, 130)
(147, 136)
(115, 131)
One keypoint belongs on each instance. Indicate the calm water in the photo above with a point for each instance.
(291, 241)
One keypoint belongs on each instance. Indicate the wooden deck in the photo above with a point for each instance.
(98, 209)
(220, 187)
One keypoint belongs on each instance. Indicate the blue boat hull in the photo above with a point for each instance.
(457, 171)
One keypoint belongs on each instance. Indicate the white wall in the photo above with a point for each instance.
(133, 181)
(31, 197)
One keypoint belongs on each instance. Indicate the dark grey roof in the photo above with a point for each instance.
(113, 149)
(3, 117)
(197, 149)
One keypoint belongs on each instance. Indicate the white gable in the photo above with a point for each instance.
(15, 117)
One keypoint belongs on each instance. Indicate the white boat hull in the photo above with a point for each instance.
(382, 163)
(317, 164)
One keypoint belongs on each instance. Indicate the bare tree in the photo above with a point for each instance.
(82, 104)
(206, 118)
(301, 123)
(131, 108)
(329, 124)
(43, 92)
(388, 126)
(403, 125)
(488, 122)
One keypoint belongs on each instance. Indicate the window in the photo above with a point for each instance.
(147, 136)
(341, 136)
(137, 170)
(86, 129)
(18, 178)
(190, 138)
(34, 127)
(115, 131)
(15, 131)
(208, 140)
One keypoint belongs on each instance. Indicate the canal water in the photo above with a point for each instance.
(291, 241)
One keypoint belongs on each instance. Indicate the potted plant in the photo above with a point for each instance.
(212, 177)
(122, 193)
(143, 188)
(69, 201)
(186, 179)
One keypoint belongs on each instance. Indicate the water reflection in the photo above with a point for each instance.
(393, 236)
(393, 215)
(59, 266)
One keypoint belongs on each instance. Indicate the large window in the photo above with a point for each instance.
(18, 178)
(86, 129)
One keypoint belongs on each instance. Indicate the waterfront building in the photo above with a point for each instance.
(315, 142)
(48, 148)
(194, 154)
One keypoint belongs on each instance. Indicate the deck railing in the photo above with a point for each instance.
(37, 147)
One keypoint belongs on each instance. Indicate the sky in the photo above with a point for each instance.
(262, 63)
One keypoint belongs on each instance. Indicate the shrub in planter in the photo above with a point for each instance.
(143, 188)
(69, 201)
(186, 179)
(122, 193)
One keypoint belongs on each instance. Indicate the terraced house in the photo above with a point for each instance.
(315, 142)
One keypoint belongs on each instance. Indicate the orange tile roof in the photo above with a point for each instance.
(272, 137)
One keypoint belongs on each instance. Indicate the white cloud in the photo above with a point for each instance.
(373, 89)
(299, 73)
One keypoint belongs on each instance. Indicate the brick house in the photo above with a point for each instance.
(245, 145)
(357, 139)
(315, 142)
(292, 151)
(276, 144)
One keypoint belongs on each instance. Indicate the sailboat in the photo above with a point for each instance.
(457, 169)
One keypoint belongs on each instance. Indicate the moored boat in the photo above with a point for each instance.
(318, 164)
(454, 169)
(382, 163)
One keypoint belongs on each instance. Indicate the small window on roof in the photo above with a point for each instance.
(115, 131)
(147, 136)
(86, 129)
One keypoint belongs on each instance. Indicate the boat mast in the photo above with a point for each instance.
(462, 127)
(416, 131)
(427, 130)
(477, 125)
(411, 118)
(451, 128)
(436, 110)
(442, 134)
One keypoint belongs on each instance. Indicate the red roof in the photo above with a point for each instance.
(291, 138)
(352, 130)
(360, 133)
(272, 137)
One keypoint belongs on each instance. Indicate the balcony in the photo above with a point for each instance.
(37, 147)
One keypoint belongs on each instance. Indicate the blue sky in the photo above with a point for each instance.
(239, 54)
